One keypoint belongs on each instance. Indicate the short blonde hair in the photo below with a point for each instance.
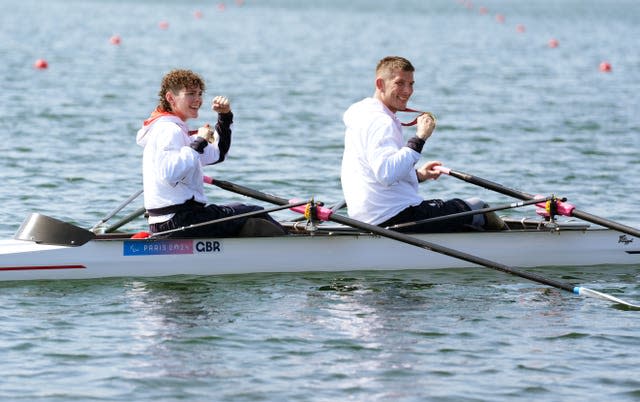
(390, 63)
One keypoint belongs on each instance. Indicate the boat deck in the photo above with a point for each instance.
(299, 228)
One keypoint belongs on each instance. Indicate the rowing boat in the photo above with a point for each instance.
(45, 248)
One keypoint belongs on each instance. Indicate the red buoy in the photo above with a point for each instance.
(605, 67)
(553, 43)
(115, 40)
(197, 14)
(163, 25)
(520, 28)
(500, 18)
(41, 64)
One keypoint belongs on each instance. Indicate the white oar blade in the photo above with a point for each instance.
(594, 293)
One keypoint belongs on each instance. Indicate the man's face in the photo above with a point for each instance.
(395, 89)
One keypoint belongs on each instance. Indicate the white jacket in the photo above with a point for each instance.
(378, 171)
(171, 169)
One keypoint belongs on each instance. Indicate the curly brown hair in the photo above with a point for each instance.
(175, 81)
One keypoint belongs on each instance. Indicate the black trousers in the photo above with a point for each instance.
(199, 214)
(430, 209)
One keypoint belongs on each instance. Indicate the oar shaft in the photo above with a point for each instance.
(401, 237)
(424, 244)
(118, 209)
(585, 216)
(526, 196)
(450, 252)
(488, 184)
(133, 215)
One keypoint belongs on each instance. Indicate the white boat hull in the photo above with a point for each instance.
(115, 256)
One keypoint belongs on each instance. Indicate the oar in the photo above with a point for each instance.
(473, 212)
(566, 209)
(115, 211)
(133, 215)
(327, 214)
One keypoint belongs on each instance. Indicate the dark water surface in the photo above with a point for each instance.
(510, 108)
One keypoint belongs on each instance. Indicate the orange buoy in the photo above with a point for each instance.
(520, 28)
(605, 67)
(115, 40)
(41, 64)
(500, 18)
(197, 14)
(553, 43)
(163, 25)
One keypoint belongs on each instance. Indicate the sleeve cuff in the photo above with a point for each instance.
(416, 144)
(199, 144)
(226, 118)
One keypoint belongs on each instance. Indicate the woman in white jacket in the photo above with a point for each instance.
(173, 160)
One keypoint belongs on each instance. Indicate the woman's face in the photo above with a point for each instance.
(186, 103)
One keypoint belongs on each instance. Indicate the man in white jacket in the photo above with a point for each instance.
(173, 159)
(379, 178)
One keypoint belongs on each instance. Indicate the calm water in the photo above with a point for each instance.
(510, 108)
